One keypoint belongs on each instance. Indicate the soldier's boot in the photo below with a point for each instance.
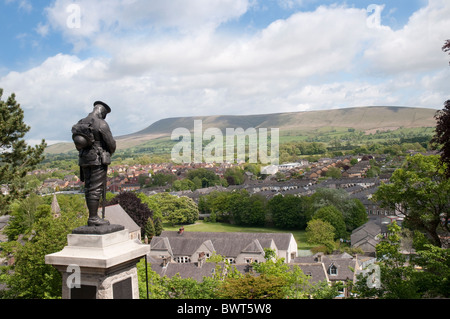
(93, 219)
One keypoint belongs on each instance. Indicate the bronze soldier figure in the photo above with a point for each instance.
(95, 143)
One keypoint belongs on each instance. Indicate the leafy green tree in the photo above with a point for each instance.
(296, 284)
(30, 277)
(234, 175)
(441, 138)
(183, 185)
(133, 206)
(248, 210)
(173, 209)
(320, 232)
(333, 172)
(289, 212)
(207, 177)
(150, 229)
(396, 276)
(434, 280)
(352, 210)
(16, 157)
(421, 192)
(355, 215)
(24, 214)
(161, 179)
(253, 287)
(334, 217)
(217, 203)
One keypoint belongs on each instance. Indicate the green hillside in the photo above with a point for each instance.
(292, 126)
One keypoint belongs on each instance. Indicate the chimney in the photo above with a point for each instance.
(166, 260)
(201, 259)
(181, 230)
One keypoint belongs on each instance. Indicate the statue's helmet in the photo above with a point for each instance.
(81, 142)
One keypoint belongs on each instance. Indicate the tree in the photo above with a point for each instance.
(421, 192)
(173, 209)
(24, 214)
(133, 206)
(434, 280)
(289, 212)
(352, 210)
(246, 209)
(29, 277)
(333, 172)
(206, 177)
(396, 276)
(216, 203)
(320, 232)
(333, 216)
(441, 139)
(183, 185)
(234, 175)
(16, 157)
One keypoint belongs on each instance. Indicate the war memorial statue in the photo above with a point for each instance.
(95, 143)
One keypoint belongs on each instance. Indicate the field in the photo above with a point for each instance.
(201, 226)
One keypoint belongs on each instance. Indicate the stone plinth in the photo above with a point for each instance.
(103, 266)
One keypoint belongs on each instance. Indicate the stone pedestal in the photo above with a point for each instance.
(99, 266)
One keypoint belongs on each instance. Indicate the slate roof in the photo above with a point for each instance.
(117, 215)
(225, 243)
(191, 270)
(344, 263)
(316, 271)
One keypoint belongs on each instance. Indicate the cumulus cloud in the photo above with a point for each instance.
(167, 59)
(415, 47)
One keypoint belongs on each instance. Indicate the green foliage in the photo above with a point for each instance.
(399, 277)
(272, 279)
(183, 185)
(30, 277)
(172, 209)
(253, 287)
(203, 177)
(23, 216)
(441, 138)
(134, 207)
(321, 232)
(334, 217)
(238, 207)
(352, 210)
(16, 158)
(246, 209)
(421, 192)
(234, 175)
(289, 212)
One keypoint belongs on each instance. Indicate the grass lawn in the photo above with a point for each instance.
(201, 226)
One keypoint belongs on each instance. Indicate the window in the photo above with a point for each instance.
(183, 259)
(332, 270)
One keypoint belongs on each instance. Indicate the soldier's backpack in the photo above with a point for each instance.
(82, 134)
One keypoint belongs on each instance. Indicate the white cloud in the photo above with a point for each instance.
(23, 4)
(415, 47)
(322, 59)
(142, 15)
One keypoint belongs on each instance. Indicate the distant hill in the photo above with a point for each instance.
(366, 119)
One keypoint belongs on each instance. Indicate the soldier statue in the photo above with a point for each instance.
(95, 143)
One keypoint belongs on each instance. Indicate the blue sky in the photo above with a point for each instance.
(151, 59)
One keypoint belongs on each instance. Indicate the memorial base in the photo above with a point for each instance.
(99, 266)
